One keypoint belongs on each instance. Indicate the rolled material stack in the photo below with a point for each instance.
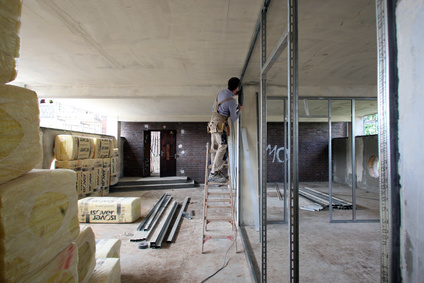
(92, 159)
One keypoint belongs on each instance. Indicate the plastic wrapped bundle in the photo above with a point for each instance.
(20, 148)
(38, 220)
(107, 270)
(74, 165)
(68, 147)
(63, 268)
(86, 243)
(102, 147)
(10, 23)
(109, 209)
(108, 248)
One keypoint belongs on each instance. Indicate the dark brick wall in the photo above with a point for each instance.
(191, 147)
(313, 150)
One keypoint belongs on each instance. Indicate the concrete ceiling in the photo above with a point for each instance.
(165, 60)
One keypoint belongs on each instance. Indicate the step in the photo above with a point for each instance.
(218, 200)
(219, 206)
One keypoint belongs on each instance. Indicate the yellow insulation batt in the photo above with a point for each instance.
(102, 147)
(106, 176)
(10, 23)
(20, 148)
(98, 175)
(114, 167)
(74, 165)
(68, 147)
(63, 268)
(86, 243)
(109, 209)
(108, 248)
(38, 220)
(87, 176)
(107, 270)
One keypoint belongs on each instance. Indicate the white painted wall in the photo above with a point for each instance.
(410, 37)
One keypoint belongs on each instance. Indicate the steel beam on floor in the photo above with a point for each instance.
(177, 221)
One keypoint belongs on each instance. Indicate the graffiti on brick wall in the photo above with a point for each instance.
(277, 153)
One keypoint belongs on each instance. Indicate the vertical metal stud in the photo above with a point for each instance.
(387, 116)
(330, 162)
(293, 98)
(263, 155)
(353, 154)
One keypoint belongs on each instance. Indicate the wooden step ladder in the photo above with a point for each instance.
(218, 205)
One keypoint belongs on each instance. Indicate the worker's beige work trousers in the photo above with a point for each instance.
(218, 144)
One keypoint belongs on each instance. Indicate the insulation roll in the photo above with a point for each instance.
(68, 147)
(102, 147)
(107, 270)
(10, 22)
(63, 268)
(106, 176)
(20, 147)
(74, 165)
(38, 220)
(86, 243)
(114, 167)
(109, 209)
(87, 176)
(108, 248)
(98, 175)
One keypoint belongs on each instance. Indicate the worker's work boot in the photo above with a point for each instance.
(216, 178)
(220, 173)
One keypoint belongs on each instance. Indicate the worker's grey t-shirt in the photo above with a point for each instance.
(227, 108)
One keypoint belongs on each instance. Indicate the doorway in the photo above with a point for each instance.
(160, 153)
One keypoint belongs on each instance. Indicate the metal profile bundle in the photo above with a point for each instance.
(147, 226)
(157, 239)
(323, 199)
(177, 221)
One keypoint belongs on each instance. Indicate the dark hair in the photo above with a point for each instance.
(233, 83)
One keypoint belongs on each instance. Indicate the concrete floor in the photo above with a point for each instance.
(329, 252)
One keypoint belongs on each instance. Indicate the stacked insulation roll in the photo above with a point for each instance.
(20, 148)
(98, 175)
(68, 147)
(86, 244)
(109, 209)
(38, 220)
(74, 165)
(106, 176)
(114, 167)
(10, 23)
(108, 248)
(102, 147)
(94, 158)
(63, 268)
(107, 270)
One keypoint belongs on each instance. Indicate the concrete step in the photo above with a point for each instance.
(152, 183)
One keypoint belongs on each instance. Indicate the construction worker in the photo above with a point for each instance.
(225, 106)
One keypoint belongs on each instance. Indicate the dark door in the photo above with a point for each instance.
(168, 161)
(146, 161)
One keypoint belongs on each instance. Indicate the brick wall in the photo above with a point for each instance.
(191, 145)
(313, 150)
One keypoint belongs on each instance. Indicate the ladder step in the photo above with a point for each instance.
(207, 237)
(219, 218)
(216, 183)
(218, 200)
(219, 206)
(218, 194)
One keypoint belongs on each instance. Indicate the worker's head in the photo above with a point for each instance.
(233, 83)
